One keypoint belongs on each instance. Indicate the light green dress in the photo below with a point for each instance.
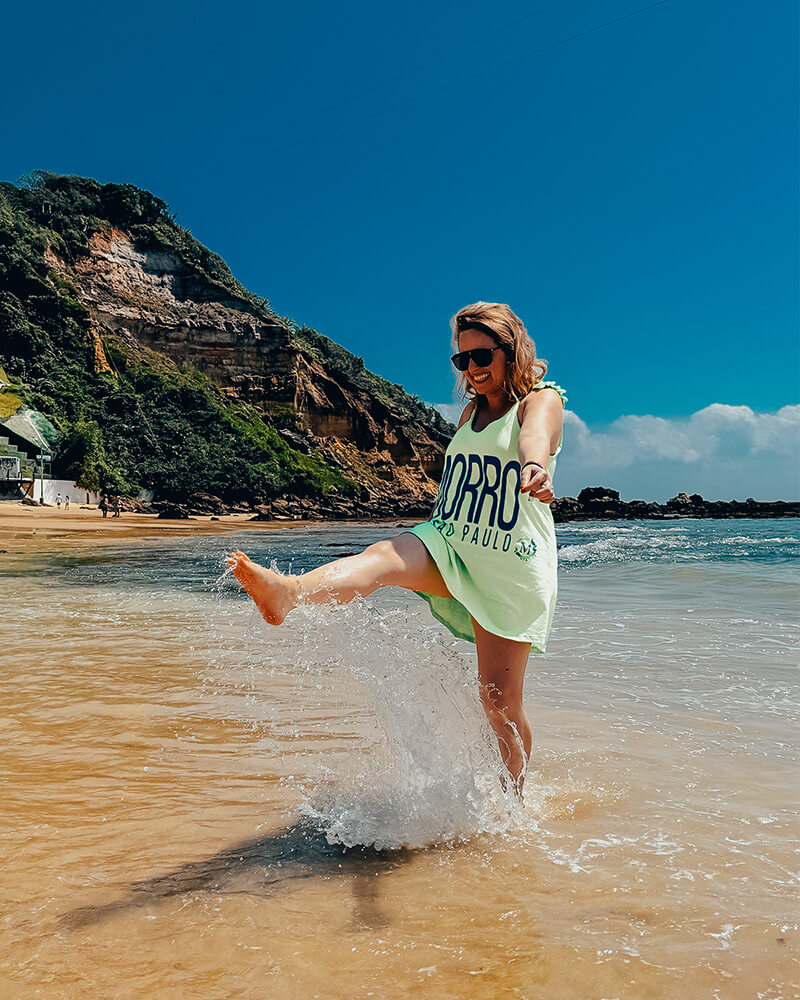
(494, 546)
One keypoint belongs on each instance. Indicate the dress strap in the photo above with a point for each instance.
(552, 385)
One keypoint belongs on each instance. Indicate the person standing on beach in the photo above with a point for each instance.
(103, 506)
(58, 501)
(486, 560)
(66, 501)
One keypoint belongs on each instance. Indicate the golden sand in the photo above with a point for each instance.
(19, 521)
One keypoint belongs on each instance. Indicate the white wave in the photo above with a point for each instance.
(747, 540)
(620, 548)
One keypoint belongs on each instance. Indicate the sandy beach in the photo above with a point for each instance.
(20, 522)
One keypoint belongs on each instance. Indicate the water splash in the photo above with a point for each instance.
(433, 771)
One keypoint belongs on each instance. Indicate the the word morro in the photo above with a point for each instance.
(475, 481)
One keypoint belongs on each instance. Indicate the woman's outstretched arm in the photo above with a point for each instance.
(542, 420)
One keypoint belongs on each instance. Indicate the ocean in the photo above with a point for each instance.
(197, 804)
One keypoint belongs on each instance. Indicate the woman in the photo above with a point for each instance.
(486, 560)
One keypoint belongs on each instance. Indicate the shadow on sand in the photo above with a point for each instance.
(263, 866)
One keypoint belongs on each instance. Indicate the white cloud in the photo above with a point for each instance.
(723, 452)
(717, 432)
(450, 411)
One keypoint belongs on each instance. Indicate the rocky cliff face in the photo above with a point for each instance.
(154, 299)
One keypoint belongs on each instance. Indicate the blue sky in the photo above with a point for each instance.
(628, 184)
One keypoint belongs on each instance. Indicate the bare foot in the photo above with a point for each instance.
(273, 593)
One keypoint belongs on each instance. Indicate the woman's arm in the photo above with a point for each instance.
(542, 420)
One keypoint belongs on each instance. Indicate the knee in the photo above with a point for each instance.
(382, 550)
(385, 556)
(505, 712)
(493, 698)
(500, 699)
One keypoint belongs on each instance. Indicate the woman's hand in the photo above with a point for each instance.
(537, 483)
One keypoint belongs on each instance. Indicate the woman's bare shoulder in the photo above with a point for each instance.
(536, 393)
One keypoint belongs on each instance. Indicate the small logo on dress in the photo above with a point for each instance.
(525, 548)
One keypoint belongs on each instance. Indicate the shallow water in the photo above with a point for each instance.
(186, 788)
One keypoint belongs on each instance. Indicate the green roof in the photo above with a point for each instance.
(33, 426)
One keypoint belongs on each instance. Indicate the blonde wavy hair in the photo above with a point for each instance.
(524, 370)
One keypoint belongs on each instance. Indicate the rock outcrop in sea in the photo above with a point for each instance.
(601, 503)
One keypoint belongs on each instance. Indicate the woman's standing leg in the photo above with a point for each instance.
(501, 675)
(397, 562)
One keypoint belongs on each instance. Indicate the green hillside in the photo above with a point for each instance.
(149, 423)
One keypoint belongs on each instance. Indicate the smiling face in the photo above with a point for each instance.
(486, 381)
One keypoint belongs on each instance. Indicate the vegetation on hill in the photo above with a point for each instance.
(150, 423)
(10, 401)
(394, 396)
(69, 209)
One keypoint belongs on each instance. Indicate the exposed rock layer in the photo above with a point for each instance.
(153, 299)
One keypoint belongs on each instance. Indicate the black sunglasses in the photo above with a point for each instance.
(482, 356)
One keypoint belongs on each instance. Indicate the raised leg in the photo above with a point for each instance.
(394, 562)
(501, 675)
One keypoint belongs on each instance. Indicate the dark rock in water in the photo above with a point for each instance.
(602, 503)
(593, 503)
(597, 494)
